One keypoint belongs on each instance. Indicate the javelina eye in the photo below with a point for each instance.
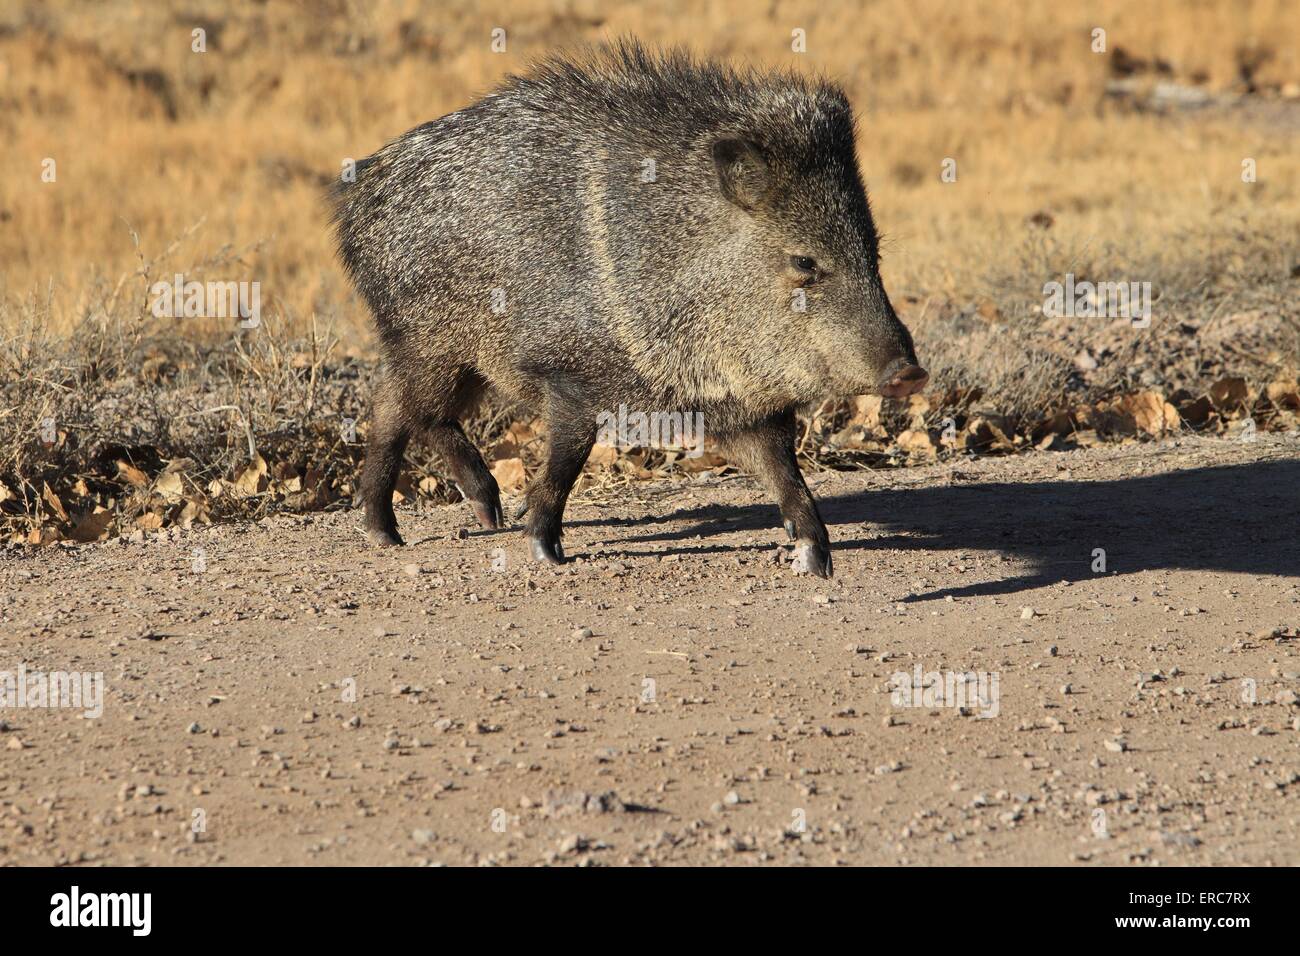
(805, 265)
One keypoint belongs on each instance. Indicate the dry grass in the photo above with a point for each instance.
(211, 164)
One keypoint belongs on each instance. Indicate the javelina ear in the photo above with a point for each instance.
(742, 171)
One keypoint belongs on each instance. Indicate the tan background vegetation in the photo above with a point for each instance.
(153, 137)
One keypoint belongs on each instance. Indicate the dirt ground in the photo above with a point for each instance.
(284, 694)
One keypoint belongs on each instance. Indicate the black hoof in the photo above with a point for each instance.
(385, 539)
(489, 514)
(547, 551)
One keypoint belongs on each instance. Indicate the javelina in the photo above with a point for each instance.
(621, 227)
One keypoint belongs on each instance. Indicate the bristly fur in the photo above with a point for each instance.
(615, 226)
(631, 94)
(673, 91)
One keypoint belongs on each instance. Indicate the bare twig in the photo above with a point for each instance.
(243, 419)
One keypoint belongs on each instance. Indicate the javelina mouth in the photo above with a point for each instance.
(906, 381)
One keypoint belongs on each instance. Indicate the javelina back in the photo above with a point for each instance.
(621, 228)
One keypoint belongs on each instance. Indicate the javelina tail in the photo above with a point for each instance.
(350, 197)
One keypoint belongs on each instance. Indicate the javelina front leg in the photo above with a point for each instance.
(767, 450)
(389, 433)
(569, 442)
(469, 472)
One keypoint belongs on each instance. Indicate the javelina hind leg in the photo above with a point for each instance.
(569, 440)
(468, 471)
(767, 449)
(389, 433)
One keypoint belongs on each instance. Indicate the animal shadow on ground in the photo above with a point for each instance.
(1233, 518)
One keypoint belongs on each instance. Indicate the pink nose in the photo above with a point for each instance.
(906, 381)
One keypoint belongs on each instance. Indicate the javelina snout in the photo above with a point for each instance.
(902, 376)
(907, 379)
(621, 229)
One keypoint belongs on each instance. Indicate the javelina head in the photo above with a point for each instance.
(806, 247)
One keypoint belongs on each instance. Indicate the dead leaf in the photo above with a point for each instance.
(505, 448)
(918, 406)
(704, 461)
(405, 488)
(43, 536)
(251, 479)
(170, 485)
(986, 435)
(865, 411)
(1150, 412)
(1281, 393)
(960, 398)
(509, 473)
(1197, 413)
(1229, 394)
(132, 474)
(314, 482)
(918, 443)
(92, 526)
(602, 456)
(194, 510)
(1145, 412)
(1059, 424)
(55, 504)
(857, 438)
